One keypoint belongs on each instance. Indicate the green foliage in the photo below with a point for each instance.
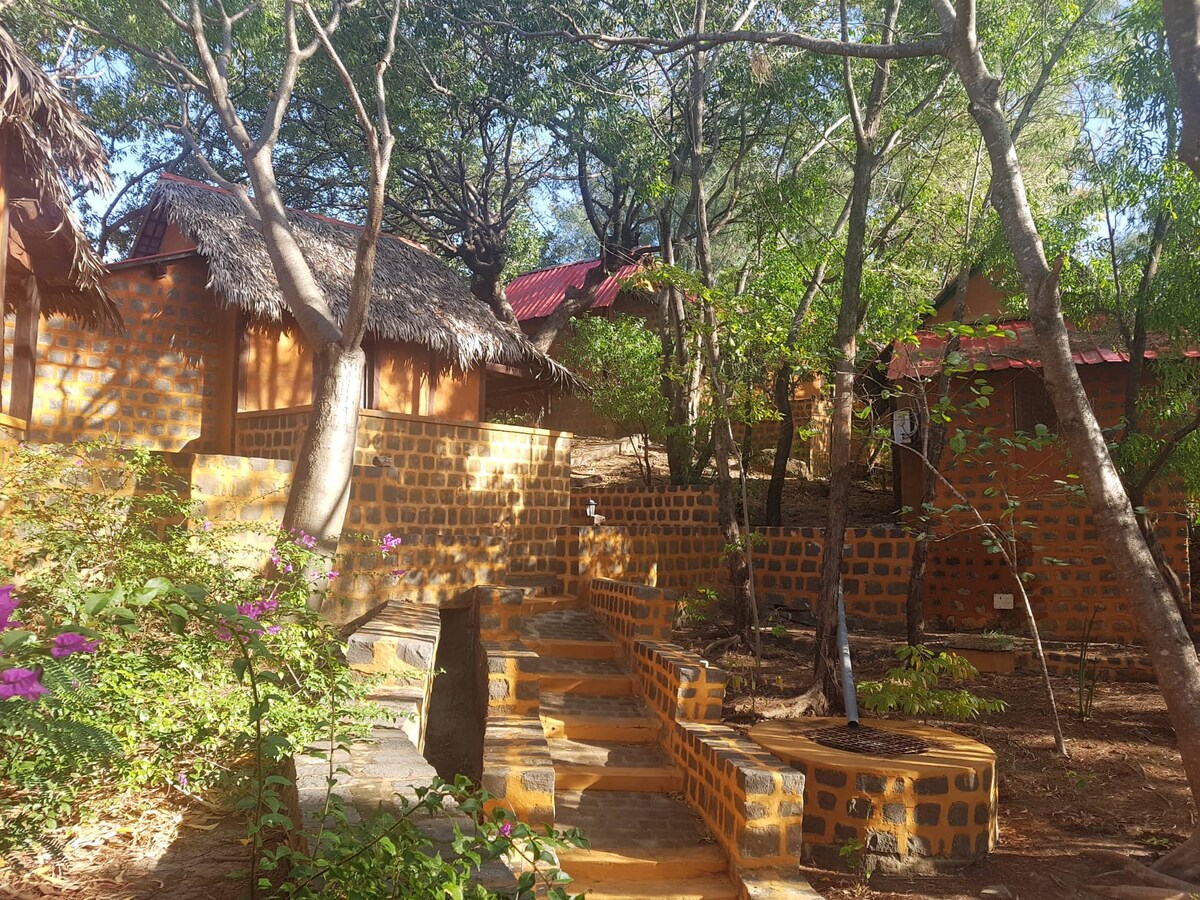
(621, 360)
(699, 605)
(391, 856)
(916, 687)
(96, 542)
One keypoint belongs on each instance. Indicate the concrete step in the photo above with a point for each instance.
(590, 677)
(583, 718)
(713, 887)
(573, 649)
(635, 837)
(612, 766)
(550, 602)
(548, 584)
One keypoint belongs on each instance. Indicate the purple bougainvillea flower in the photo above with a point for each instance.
(398, 572)
(20, 683)
(506, 829)
(8, 604)
(69, 643)
(389, 543)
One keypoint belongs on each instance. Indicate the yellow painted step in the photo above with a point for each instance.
(642, 779)
(713, 888)
(540, 604)
(587, 684)
(631, 730)
(632, 864)
(575, 649)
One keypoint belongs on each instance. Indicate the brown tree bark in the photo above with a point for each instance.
(1175, 660)
(826, 693)
(1181, 19)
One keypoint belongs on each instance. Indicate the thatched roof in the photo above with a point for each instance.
(47, 143)
(418, 298)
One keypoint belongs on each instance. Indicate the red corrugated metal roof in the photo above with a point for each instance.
(1015, 351)
(537, 294)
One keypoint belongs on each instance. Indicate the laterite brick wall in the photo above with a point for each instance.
(787, 571)
(1060, 548)
(420, 475)
(165, 383)
(786, 564)
(633, 505)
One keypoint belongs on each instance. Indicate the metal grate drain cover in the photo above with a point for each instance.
(866, 739)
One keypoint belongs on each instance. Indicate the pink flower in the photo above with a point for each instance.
(332, 574)
(390, 543)
(69, 643)
(20, 683)
(398, 572)
(506, 829)
(8, 604)
(208, 526)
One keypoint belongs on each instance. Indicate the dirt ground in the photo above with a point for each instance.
(155, 845)
(1122, 789)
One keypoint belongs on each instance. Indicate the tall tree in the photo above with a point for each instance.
(241, 65)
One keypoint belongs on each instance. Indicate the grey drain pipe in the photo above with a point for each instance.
(849, 693)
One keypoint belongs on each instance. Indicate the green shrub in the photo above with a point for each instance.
(915, 687)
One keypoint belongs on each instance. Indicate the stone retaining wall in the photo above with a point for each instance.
(634, 505)
(425, 475)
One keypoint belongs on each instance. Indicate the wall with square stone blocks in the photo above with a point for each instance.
(165, 382)
(635, 505)
(1060, 546)
(786, 564)
(423, 475)
(752, 802)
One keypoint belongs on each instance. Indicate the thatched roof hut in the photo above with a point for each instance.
(43, 143)
(418, 298)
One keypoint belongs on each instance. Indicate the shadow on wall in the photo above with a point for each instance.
(165, 383)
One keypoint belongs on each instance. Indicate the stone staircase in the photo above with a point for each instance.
(612, 779)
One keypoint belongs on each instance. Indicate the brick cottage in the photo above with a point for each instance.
(1056, 541)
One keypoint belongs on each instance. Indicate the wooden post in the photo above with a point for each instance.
(25, 338)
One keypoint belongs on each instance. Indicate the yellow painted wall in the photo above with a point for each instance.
(277, 372)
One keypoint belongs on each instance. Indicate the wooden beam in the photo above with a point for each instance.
(24, 365)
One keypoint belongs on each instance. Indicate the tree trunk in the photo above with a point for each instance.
(487, 287)
(320, 488)
(1175, 661)
(1182, 21)
(783, 449)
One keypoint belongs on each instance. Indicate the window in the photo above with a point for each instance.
(1032, 405)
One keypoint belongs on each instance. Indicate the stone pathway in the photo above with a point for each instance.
(611, 778)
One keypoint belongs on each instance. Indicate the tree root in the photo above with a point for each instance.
(1161, 881)
(1183, 862)
(721, 645)
(812, 702)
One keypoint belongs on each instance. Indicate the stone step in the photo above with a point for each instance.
(542, 583)
(635, 837)
(591, 677)
(713, 887)
(550, 602)
(564, 624)
(612, 766)
(583, 718)
(573, 649)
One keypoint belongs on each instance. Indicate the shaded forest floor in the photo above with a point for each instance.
(1122, 789)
